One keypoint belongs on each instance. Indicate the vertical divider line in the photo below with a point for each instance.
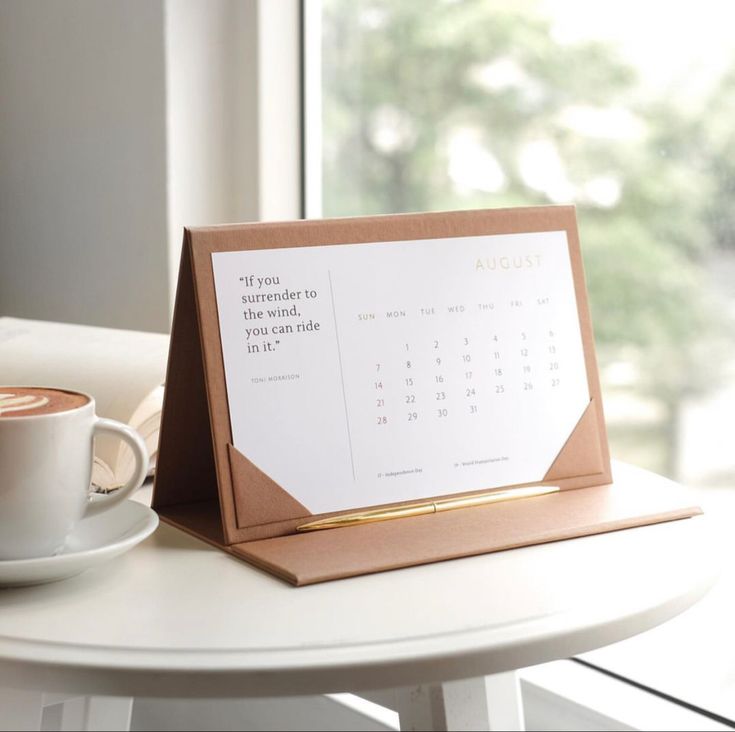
(341, 374)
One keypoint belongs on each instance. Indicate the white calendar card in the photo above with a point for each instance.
(366, 374)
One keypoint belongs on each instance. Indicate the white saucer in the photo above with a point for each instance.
(95, 540)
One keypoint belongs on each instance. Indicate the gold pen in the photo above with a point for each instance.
(420, 509)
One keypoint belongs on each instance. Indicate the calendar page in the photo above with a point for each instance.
(365, 374)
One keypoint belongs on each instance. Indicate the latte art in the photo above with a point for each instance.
(15, 402)
(37, 401)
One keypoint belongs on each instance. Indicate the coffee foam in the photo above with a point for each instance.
(27, 401)
(15, 402)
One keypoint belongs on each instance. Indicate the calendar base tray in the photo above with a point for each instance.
(309, 558)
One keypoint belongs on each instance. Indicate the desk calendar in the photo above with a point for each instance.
(318, 367)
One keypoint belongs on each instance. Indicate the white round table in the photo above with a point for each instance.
(175, 617)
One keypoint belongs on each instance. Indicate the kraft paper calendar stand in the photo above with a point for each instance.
(208, 488)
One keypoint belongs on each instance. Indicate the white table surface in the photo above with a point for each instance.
(175, 617)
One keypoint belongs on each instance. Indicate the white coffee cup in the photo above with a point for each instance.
(46, 469)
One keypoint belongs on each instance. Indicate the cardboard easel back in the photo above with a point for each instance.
(186, 479)
(253, 506)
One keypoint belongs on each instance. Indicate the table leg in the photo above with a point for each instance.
(484, 703)
(20, 710)
(98, 713)
(420, 707)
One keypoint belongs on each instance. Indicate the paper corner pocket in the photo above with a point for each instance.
(258, 498)
(582, 453)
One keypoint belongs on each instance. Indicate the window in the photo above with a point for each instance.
(625, 109)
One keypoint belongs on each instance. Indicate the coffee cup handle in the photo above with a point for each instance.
(97, 501)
